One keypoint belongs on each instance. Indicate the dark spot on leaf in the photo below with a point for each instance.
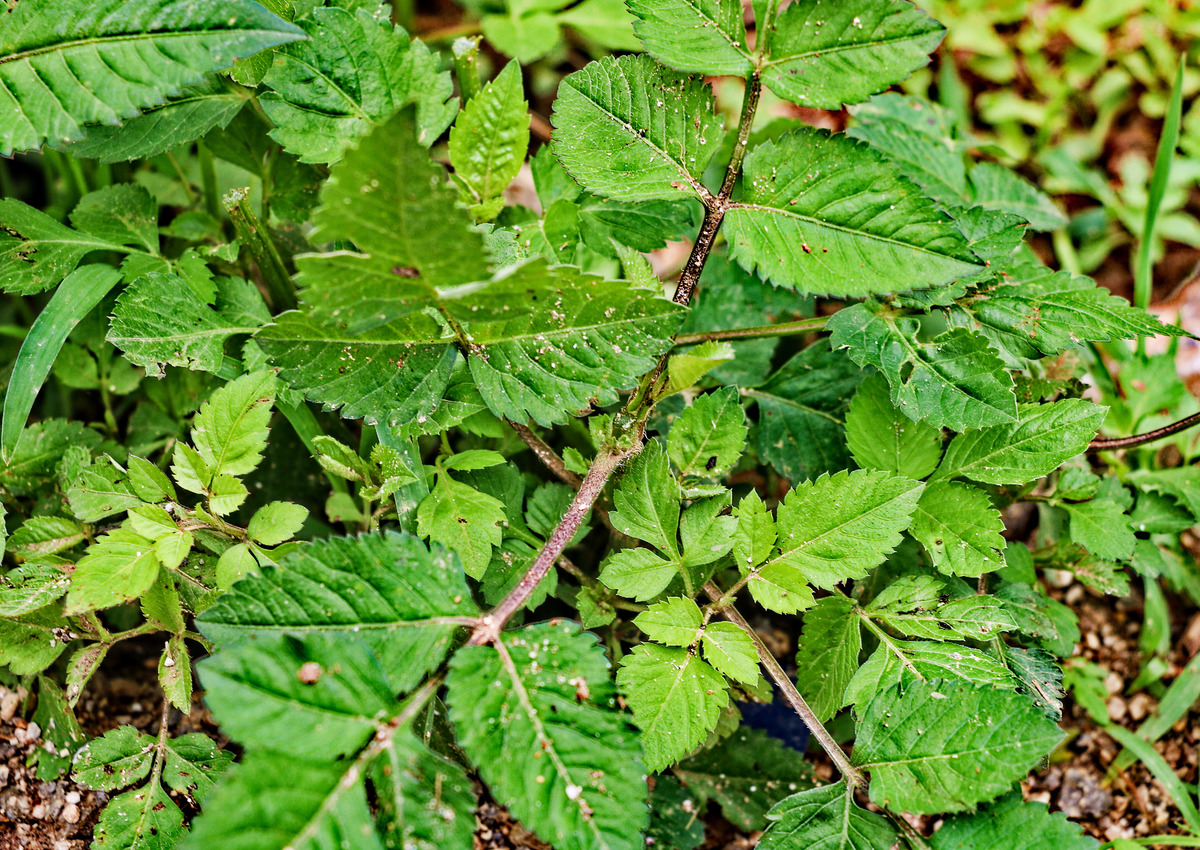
(405, 271)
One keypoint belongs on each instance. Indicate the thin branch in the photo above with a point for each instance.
(853, 777)
(546, 454)
(701, 248)
(490, 625)
(801, 326)
(745, 125)
(1101, 444)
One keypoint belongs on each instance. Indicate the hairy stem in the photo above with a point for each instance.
(489, 626)
(802, 326)
(791, 696)
(258, 242)
(1101, 444)
(546, 455)
(701, 248)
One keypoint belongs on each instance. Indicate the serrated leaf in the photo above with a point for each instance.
(824, 214)
(708, 438)
(920, 137)
(472, 459)
(828, 656)
(826, 818)
(188, 115)
(117, 568)
(676, 700)
(995, 187)
(824, 53)
(647, 500)
(686, 368)
(675, 622)
(1046, 436)
(489, 140)
(993, 828)
(971, 617)
(315, 695)
(276, 522)
(564, 761)
(230, 431)
(103, 65)
(833, 529)
(923, 758)
(639, 574)
(906, 661)
(149, 482)
(144, 818)
(631, 130)
(802, 407)
(1049, 312)
(159, 319)
(731, 651)
(45, 535)
(117, 759)
(881, 437)
(674, 816)
(705, 532)
(193, 764)
(755, 535)
(352, 74)
(100, 491)
(746, 774)
(31, 642)
(388, 589)
(36, 251)
(700, 36)
(955, 381)
(123, 214)
(1040, 678)
(31, 586)
(463, 519)
(1101, 527)
(960, 529)
(38, 452)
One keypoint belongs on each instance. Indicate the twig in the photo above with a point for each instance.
(489, 626)
(1101, 444)
(546, 454)
(801, 326)
(791, 696)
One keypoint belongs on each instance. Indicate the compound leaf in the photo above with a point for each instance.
(537, 716)
(489, 141)
(230, 431)
(826, 818)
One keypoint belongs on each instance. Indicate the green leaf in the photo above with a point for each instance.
(148, 481)
(142, 819)
(189, 115)
(828, 654)
(159, 320)
(79, 293)
(676, 700)
(732, 652)
(674, 817)
(314, 695)
(461, 518)
(639, 574)
(38, 452)
(489, 141)
(1053, 312)
(960, 529)
(1040, 678)
(955, 380)
(801, 411)
(647, 500)
(826, 818)
(686, 368)
(906, 661)
(388, 589)
(824, 53)
(537, 717)
(473, 459)
(994, 825)
(36, 251)
(117, 568)
(1045, 437)
(920, 137)
(276, 522)
(706, 534)
(924, 759)
(1101, 527)
(746, 774)
(124, 214)
(632, 130)
(675, 622)
(833, 529)
(63, 65)
(881, 437)
(26, 588)
(824, 214)
(230, 431)
(353, 74)
(701, 36)
(917, 606)
(754, 537)
(117, 759)
(45, 535)
(31, 642)
(193, 764)
(995, 187)
(100, 491)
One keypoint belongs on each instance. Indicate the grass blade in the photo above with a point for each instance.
(1158, 766)
(79, 292)
(1167, 143)
(1176, 702)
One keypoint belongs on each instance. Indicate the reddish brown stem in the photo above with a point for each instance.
(1105, 444)
(491, 624)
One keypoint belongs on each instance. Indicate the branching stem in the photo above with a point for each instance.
(787, 687)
